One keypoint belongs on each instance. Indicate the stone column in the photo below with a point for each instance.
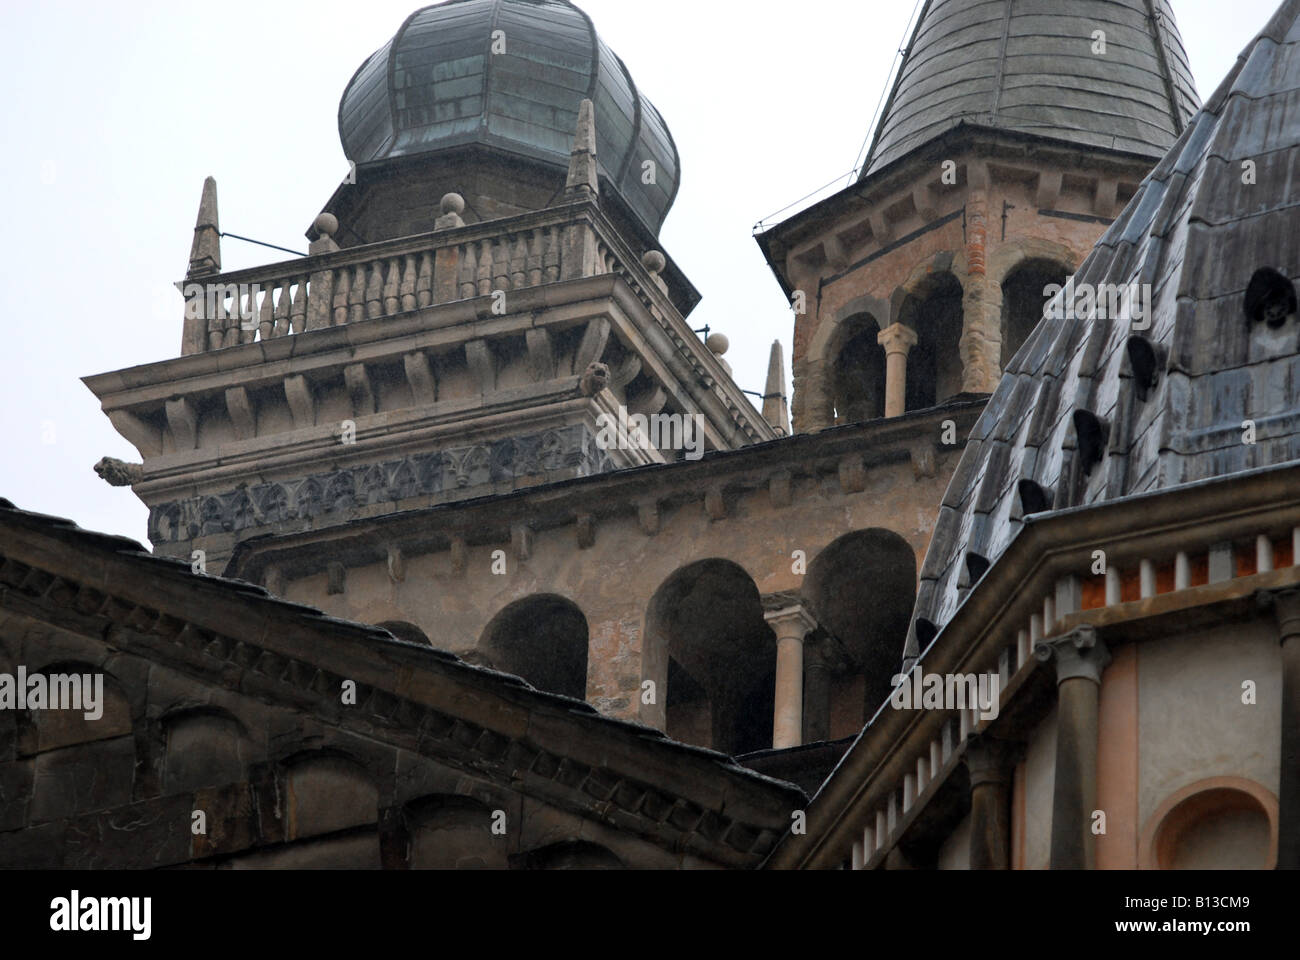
(898, 341)
(1080, 659)
(816, 694)
(981, 336)
(1285, 605)
(990, 763)
(791, 623)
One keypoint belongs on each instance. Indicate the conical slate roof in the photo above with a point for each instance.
(1218, 240)
(1029, 66)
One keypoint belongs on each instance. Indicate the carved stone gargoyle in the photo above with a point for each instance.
(118, 473)
(594, 379)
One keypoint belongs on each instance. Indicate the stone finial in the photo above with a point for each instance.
(326, 226)
(452, 206)
(776, 411)
(205, 252)
(583, 182)
(655, 263)
(718, 344)
(118, 473)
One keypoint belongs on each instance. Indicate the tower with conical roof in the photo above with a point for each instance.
(1118, 553)
(1014, 132)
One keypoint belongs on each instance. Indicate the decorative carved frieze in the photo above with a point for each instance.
(571, 450)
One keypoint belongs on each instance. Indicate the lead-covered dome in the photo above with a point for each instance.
(510, 75)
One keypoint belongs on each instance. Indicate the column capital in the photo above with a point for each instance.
(1078, 653)
(788, 616)
(1285, 606)
(790, 622)
(898, 338)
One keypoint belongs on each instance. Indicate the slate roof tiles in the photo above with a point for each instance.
(1198, 232)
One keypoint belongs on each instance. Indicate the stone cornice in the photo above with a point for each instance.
(1001, 147)
(769, 465)
(234, 635)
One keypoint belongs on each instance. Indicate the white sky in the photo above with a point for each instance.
(113, 113)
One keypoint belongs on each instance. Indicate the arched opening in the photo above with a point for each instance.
(403, 630)
(859, 373)
(570, 855)
(860, 589)
(1225, 823)
(105, 708)
(327, 793)
(85, 755)
(450, 832)
(705, 625)
(934, 312)
(205, 747)
(542, 639)
(1024, 297)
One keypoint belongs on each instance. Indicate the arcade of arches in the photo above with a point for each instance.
(741, 672)
(915, 363)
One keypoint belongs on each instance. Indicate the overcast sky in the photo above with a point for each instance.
(114, 112)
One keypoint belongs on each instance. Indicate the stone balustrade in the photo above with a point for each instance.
(1140, 579)
(387, 279)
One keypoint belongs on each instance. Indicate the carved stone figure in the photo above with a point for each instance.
(119, 473)
(594, 379)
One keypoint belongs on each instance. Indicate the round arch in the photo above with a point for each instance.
(1024, 298)
(858, 371)
(570, 855)
(933, 309)
(451, 832)
(1223, 823)
(861, 589)
(1008, 256)
(712, 658)
(542, 638)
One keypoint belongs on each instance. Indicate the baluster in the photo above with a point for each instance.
(534, 262)
(357, 295)
(518, 263)
(229, 322)
(282, 310)
(266, 316)
(501, 265)
(409, 283)
(485, 268)
(551, 258)
(298, 310)
(342, 287)
(250, 315)
(468, 271)
(375, 290)
(392, 287)
(424, 281)
(216, 321)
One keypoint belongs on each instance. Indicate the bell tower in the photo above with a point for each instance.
(1002, 155)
